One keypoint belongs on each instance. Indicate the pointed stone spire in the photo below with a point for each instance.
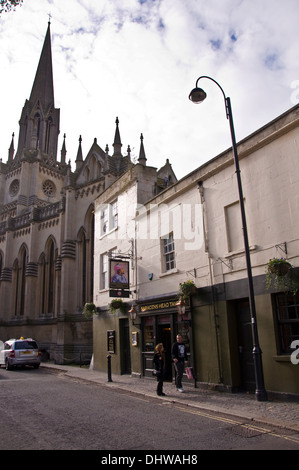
(39, 123)
(142, 157)
(11, 149)
(43, 88)
(79, 159)
(63, 150)
(117, 145)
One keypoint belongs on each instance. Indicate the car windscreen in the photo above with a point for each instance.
(25, 345)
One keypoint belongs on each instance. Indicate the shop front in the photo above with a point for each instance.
(160, 323)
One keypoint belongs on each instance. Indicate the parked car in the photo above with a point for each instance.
(20, 352)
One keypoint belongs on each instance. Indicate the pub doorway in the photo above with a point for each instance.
(245, 345)
(157, 328)
(164, 336)
(125, 346)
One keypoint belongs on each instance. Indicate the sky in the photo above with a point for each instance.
(139, 59)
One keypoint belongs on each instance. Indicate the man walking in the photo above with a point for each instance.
(179, 357)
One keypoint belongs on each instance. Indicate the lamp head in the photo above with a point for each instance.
(133, 313)
(197, 95)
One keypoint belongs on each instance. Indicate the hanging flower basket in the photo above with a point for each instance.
(279, 266)
(279, 273)
(117, 304)
(187, 288)
(89, 310)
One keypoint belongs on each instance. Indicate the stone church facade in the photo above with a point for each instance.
(47, 226)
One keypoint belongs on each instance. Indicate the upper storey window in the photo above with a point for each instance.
(109, 217)
(168, 252)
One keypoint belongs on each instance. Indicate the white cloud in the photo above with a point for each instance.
(138, 60)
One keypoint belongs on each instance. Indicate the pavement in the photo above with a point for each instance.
(277, 412)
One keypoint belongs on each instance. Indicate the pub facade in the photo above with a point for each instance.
(191, 232)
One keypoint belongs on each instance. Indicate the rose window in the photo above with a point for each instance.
(49, 188)
(14, 187)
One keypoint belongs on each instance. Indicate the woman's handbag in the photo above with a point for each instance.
(189, 373)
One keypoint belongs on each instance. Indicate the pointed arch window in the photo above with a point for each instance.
(47, 278)
(49, 124)
(42, 278)
(85, 260)
(37, 128)
(51, 283)
(19, 282)
(15, 280)
(95, 168)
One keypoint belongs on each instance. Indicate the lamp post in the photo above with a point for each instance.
(198, 95)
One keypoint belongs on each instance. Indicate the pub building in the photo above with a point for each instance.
(217, 326)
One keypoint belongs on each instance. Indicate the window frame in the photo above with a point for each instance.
(286, 309)
(104, 262)
(109, 218)
(168, 253)
(114, 214)
(104, 275)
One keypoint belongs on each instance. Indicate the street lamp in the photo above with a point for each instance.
(181, 308)
(198, 95)
(133, 315)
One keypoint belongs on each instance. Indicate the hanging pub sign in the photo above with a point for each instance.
(119, 278)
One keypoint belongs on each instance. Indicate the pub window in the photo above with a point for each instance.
(287, 315)
(149, 334)
(104, 271)
(109, 217)
(114, 214)
(168, 251)
(104, 221)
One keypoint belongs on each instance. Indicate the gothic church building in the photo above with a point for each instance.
(47, 225)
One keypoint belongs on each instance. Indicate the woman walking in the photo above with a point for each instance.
(159, 364)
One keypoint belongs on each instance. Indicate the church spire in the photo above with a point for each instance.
(63, 150)
(11, 149)
(142, 157)
(79, 158)
(39, 123)
(43, 88)
(117, 145)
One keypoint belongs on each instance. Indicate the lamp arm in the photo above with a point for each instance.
(219, 86)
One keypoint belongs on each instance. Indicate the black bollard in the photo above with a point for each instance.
(109, 368)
